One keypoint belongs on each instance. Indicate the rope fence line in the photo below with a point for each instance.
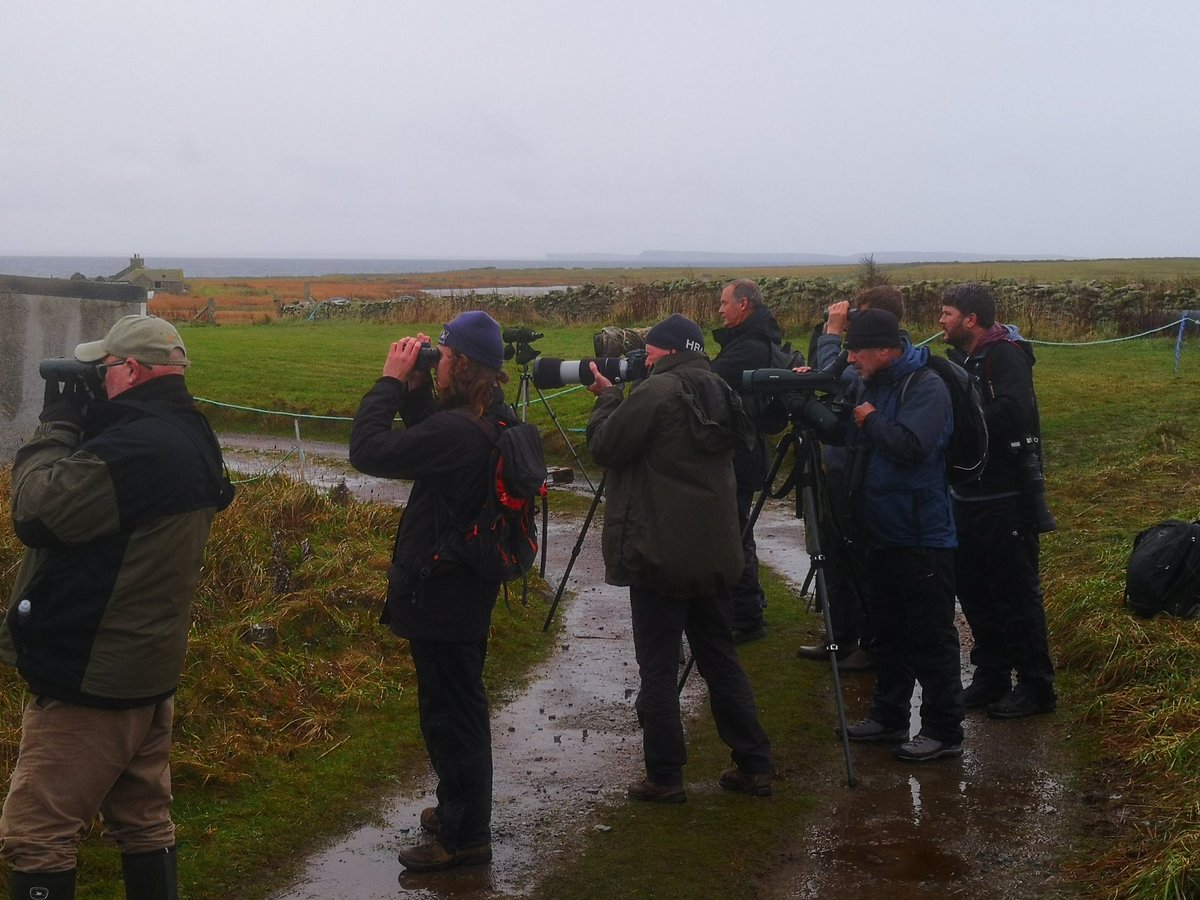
(298, 447)
(1184, 321)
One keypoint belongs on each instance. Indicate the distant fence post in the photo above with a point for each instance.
(299, 449)
(1185, 316)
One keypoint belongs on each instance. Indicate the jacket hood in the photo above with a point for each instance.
(999, 333)
(716, 417)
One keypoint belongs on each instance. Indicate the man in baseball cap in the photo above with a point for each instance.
(114, 501)
(149, 340)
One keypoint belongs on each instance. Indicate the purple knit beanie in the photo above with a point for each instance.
(475, 335)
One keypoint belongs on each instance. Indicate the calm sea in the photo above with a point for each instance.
(245, 267)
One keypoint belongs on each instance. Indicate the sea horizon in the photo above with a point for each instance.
(105, 266)
(280, 267)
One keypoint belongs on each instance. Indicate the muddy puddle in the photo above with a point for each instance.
(987, 826)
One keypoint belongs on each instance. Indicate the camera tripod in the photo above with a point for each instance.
(524, 355)
(811, 504)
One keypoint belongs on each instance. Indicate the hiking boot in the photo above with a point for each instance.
(746, 783)
(858, 661)
(820, 652)
(749, 633)
(868, 730)
(977, 695)
(433, 857)
(429, 819)
(923, 748)
(657, 793)
(1020, 702)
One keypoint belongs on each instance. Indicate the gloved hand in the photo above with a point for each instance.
(64, 402)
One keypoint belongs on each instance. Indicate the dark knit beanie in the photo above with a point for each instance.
(475, 335)
(676, 332)
(873, 328)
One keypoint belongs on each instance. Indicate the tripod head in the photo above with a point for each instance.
(518, 345)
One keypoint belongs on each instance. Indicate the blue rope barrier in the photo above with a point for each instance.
(1181, 322)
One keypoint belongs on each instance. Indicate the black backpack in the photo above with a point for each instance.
(967, 452)
(1163, 573)
(500, 543)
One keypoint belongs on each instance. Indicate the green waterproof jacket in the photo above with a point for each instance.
(115, 521)
(670, 520)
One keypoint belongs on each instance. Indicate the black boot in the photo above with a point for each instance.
(43, 885)
(151, 876)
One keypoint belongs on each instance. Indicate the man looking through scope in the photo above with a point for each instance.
(897, 440)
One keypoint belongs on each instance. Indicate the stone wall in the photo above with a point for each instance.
(42, 318)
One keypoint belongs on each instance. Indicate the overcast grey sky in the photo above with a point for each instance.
(516, 128)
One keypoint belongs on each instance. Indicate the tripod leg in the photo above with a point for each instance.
(851, 778)
(563, 432)
(809, 503)
(780, 454)
(687, 670)
(808, 580)
(545, 525)
(575, 551)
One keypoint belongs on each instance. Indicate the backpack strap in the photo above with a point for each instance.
(908, 379)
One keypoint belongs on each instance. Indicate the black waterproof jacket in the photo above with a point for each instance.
(448, 458)
(1005, 370)
(748, 346)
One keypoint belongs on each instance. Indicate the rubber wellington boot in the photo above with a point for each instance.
(43, 885)
(151, 876)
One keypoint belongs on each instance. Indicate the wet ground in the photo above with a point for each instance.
(987, 826)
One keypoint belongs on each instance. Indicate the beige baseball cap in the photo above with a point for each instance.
(147, 339)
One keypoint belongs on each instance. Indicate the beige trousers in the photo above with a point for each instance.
(77, 762)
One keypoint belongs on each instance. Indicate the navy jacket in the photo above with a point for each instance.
(897, 463)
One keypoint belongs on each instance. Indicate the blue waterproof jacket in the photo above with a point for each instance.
(897, 464)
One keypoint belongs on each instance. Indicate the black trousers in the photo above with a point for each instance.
(458, 736)
(659, 622)
(747, 595)
(916, 640)
(999, 586)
